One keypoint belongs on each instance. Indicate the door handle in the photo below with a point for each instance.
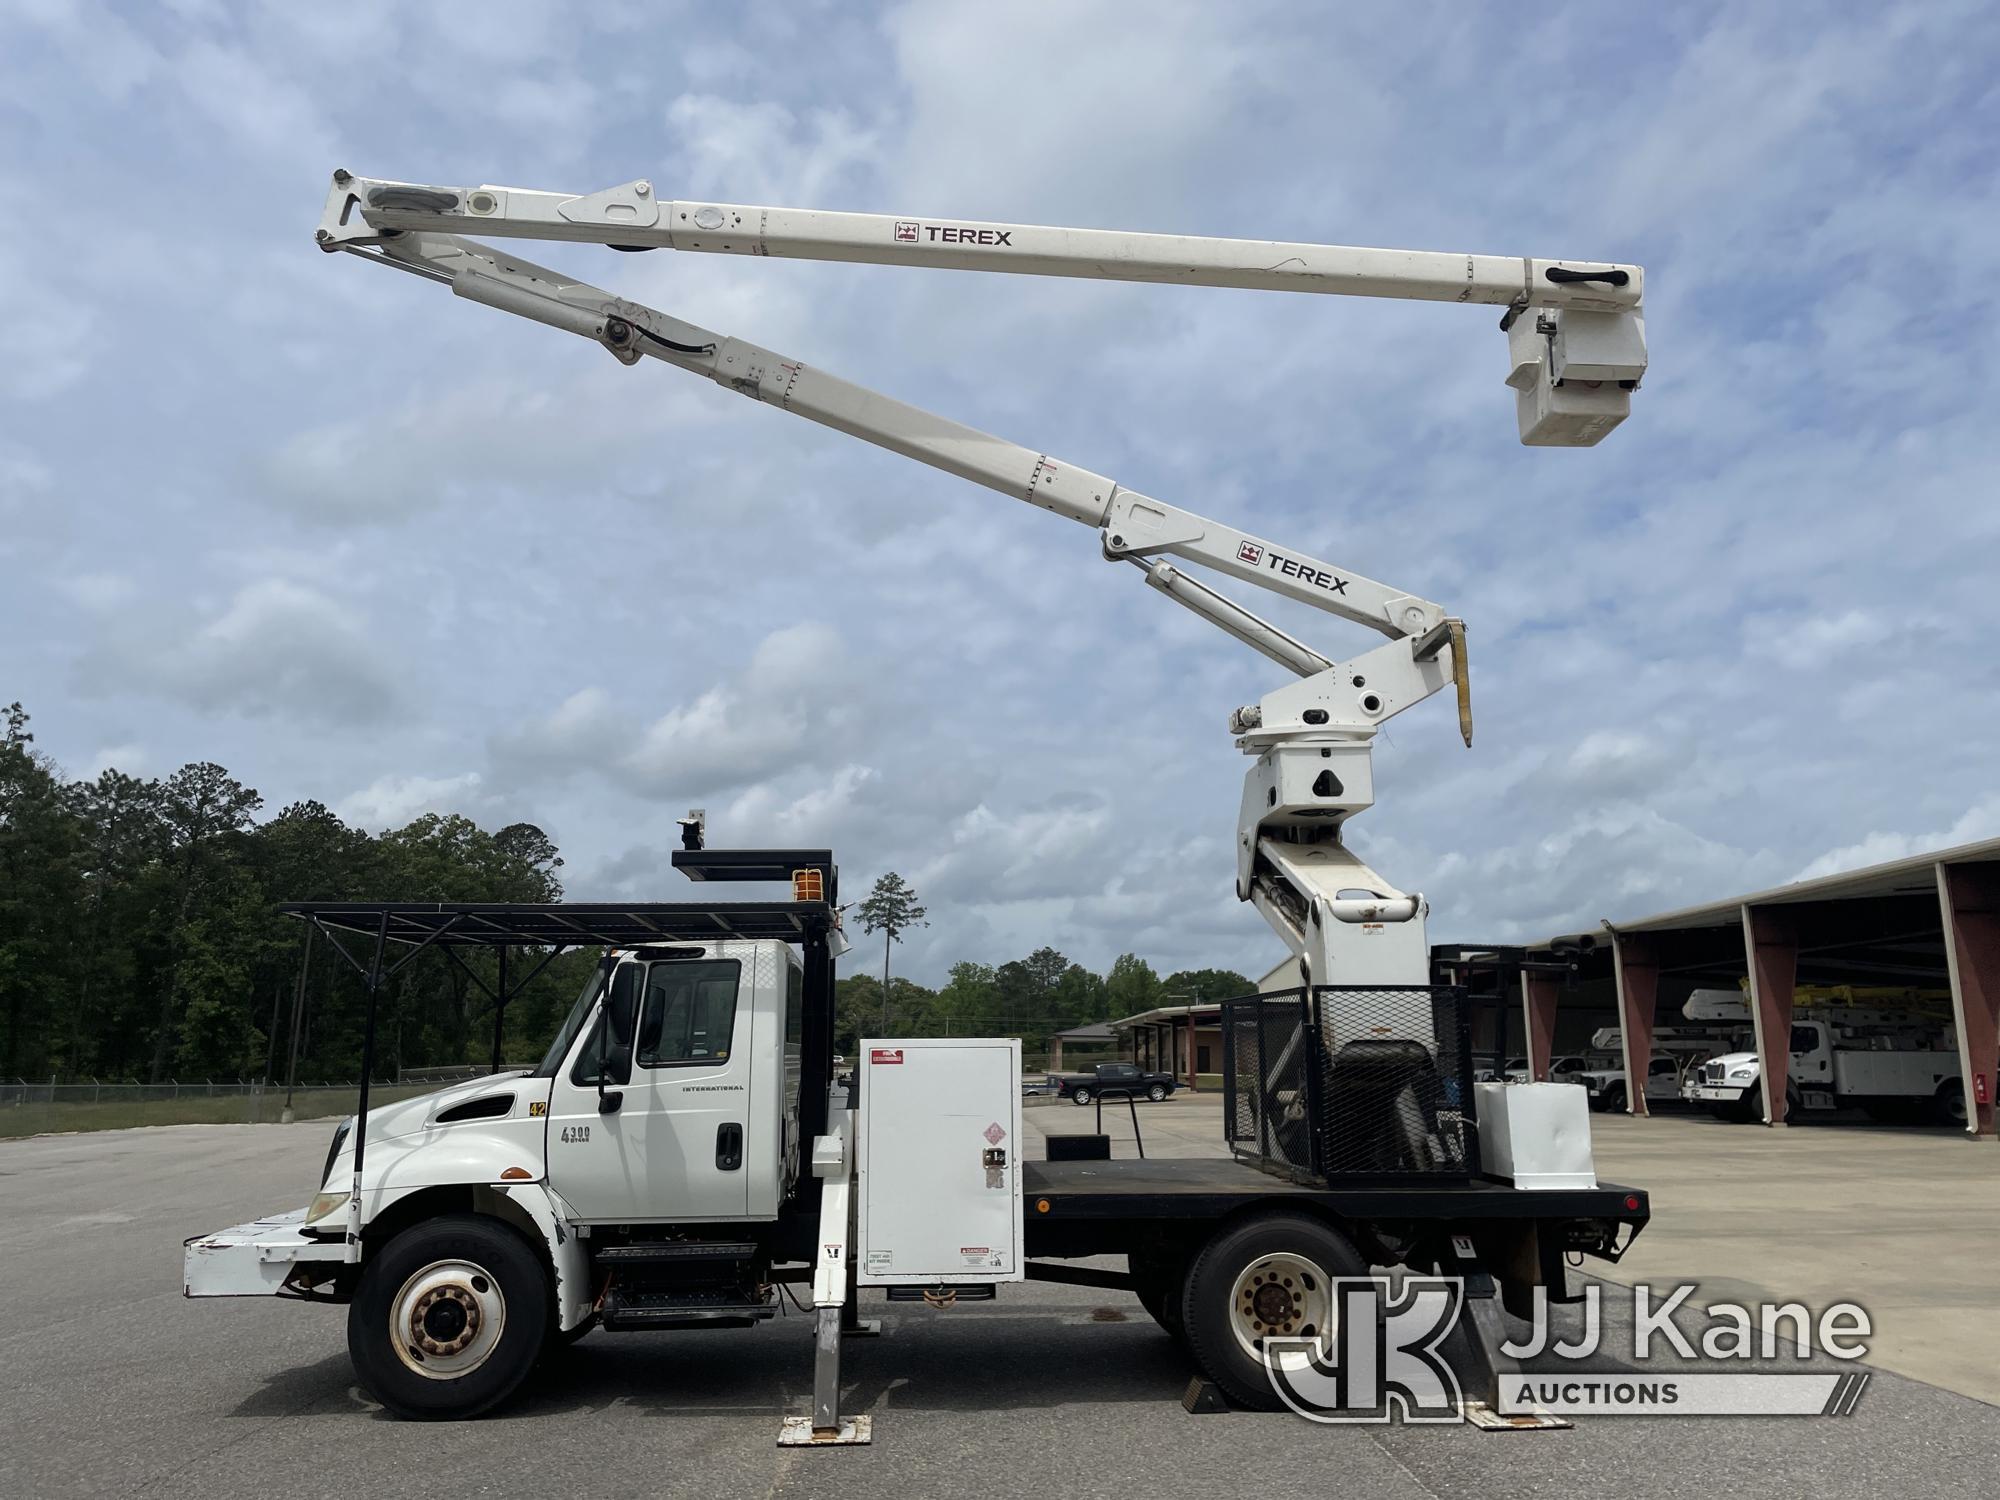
(728, 1148)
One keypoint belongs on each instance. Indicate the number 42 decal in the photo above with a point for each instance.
(575, 1133)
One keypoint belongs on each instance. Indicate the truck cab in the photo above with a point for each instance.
(685, 1107)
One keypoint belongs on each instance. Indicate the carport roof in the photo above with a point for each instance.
(1903, 880)
(1915, 875)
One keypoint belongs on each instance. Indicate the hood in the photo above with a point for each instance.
(1732, 1059)
(408, 1116)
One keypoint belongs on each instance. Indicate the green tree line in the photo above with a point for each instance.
(140, 938)
(1031, 998)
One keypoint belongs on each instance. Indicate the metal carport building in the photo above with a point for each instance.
(1929, 919)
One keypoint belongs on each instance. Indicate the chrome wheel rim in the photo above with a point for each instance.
(1282, 1295)
(447, 1319)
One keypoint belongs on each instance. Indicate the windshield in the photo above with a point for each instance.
(572, 1024)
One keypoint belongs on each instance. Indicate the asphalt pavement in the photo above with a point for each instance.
(118, 1386)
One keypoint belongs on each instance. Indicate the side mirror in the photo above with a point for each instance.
(621, 1012)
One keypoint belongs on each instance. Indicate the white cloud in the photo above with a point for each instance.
(796, 701)
(392, 801)
(275, 648)
(1980, 821)
(130, 758)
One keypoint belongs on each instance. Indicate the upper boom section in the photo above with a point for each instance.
(633, 215)
(1576, 340)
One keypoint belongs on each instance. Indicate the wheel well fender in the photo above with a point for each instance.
(527, 1210)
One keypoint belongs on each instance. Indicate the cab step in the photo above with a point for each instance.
(646, 1309)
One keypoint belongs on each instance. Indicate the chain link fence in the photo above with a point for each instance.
(43, 1108)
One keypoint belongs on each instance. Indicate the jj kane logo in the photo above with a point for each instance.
(1377, 1357)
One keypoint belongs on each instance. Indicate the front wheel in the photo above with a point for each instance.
(448, 1318)
(1157, 1092)
(1080, 1096)
(1268, 1276)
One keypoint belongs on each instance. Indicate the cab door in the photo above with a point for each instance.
(672, 1149)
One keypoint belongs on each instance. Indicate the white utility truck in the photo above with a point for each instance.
(656, 1171)
(1677, 1050)
(1892, 1062)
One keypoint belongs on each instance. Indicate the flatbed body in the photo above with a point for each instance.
(1105, 1207)
(1215, 1187)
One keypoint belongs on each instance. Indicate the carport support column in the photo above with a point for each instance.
(1771, 953)
(1638, 972)
(1969, 896)
(1538, 1003)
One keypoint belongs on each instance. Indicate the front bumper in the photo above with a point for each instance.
(1715, 1093)
(257, 1259)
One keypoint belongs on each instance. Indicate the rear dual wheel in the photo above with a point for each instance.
(1266, 1277)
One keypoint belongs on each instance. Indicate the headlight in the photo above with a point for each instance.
(1742, 1075)
(324, 1205)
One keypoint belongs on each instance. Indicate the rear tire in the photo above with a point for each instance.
(1279, 1266)
(1948, 1107)
(1080, 1096)
(1157, 1281)
(448, 1318)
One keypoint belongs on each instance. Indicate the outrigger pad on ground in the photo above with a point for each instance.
(799, 1432)
(1479, 1414)
(1204, 1396)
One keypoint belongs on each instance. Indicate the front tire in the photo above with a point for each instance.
(1272, 1274)
(1157, 1092)
(448, 1318)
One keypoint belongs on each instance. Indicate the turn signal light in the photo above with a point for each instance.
(808, 885)
(517, 1174)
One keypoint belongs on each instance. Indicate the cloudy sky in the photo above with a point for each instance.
(360, 541)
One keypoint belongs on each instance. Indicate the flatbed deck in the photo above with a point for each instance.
(1214, 1187)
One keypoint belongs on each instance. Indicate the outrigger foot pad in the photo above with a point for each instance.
(799, 1432)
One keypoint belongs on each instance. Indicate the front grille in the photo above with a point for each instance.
(1344, 1081)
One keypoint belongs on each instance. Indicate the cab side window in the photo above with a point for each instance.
(689, 1012)
(1804, 1038)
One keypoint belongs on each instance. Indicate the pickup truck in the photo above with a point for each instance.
(1120, 1078)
